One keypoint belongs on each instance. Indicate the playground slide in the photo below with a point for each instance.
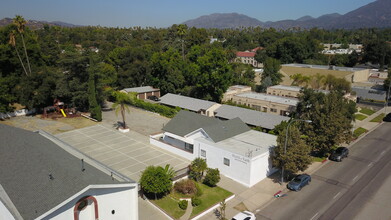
(63, 113)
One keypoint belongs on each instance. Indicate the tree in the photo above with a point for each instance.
(212, 177)
(170, 172)
(182, 30)
(20, 23)
(260, 56)
(122, 100)
(197, 168)
(12, 42)
(155, 180)
(271, 69)
(331, 115)
(95, 108)
(297, 157)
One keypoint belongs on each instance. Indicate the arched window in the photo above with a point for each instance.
(82, 204)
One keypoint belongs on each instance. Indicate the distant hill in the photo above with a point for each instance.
(223, 20)
(375, 14)
(33, 24)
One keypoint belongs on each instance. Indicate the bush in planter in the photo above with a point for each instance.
(212, 177)
(195, 201)
(185, 187)
(183, 204)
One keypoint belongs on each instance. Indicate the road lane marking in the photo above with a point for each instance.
(383, 152)
(336, 195)
(355, 178)
(369, 165)
(314, 215)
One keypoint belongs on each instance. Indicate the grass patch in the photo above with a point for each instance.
(210, 197)
(359, 131)
(378, 118)
(367, 111)
(318, 159)
(170, 206)
(360, 117)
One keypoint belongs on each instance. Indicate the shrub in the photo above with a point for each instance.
(212, 177)
(195, 201)
(155, 180)
(185, 187)
(199, 190)
(183, 204)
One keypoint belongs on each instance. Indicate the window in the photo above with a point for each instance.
(226, 161)
(203, 153)
(189, 147)
(273, 110)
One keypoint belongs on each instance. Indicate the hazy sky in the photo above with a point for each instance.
(164, 13)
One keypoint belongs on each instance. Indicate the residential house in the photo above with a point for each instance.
(248, 57)
(239, 152)
(143, 92)
(44, 178)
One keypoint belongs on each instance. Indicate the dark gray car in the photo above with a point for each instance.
(339, 154)
(299, 182)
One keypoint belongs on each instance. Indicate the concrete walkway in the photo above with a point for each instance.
(189, 209)
(260, 195)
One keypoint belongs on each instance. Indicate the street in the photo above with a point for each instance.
(342, 190)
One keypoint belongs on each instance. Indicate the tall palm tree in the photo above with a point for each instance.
(20, 23)
(122, 101)
(12, 42)
(182, 29)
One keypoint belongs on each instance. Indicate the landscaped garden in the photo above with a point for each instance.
(360, 117)
(359, 131)
(201, 187)
(378, 118)
(367, 111)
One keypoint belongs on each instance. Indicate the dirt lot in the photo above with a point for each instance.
(34, 123)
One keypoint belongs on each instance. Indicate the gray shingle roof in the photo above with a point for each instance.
(185, 102)
(250, 117)
(26, 161)
(371, 94)
(142, 89)
(186, 122)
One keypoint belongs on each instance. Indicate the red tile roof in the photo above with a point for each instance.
(245, 54)
(257, 48)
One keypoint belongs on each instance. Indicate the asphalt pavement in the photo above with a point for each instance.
(342, 190)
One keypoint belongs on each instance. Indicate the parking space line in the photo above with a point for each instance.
(314, 216)
(355, 178)
(336, 195)
(370, 164)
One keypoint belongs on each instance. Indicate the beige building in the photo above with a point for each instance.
(266, 103)
(233, 90)
(286, 91)
(248, 57)
(144, 92)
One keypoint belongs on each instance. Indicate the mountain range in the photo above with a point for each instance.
(33, 24)
(373, 15)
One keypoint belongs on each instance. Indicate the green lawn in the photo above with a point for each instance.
(210, 196)
(359, 131)
(360, 117)
(378, 118)
(318, 159)
(367, 111)
(170, 206)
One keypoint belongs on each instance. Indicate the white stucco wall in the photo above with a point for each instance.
(4, 213)
(261, 167)
(123, 200)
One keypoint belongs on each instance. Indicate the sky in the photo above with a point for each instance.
(164, 13)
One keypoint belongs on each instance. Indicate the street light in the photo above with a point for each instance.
(286, 143)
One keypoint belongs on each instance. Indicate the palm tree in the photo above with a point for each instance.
(20, 23)
(122, 101)
(12, 42)
(169, 171)
(182, 32)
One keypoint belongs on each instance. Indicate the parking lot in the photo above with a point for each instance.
(128, 153)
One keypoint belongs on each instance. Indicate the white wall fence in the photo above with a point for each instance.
(21, 112)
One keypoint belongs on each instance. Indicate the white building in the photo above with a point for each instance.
(42, 178)
(231, 146)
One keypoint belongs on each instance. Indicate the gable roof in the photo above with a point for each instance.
(250, 117)
(142, 89)
(186, 122)
(37, 174)
(185, 102)
(245, 54)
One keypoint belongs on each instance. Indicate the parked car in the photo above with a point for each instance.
(387, 118)
(339, 154)
(245, 215)
(153, 97)
(299, 182)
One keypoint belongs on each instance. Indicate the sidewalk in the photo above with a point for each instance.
(262, 193)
